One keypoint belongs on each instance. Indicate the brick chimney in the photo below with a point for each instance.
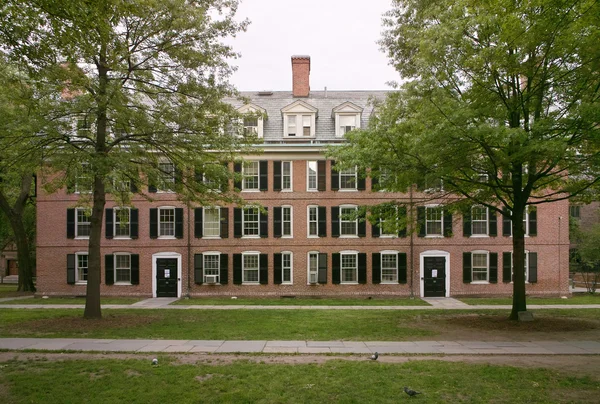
(300, 75)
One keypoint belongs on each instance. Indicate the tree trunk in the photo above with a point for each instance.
(519, 299)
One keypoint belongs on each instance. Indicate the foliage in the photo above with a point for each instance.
(141, 83)
(585, 260)
(114, 380)
(500, 103)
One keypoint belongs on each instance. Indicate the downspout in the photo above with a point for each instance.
(412, 244)
(559, 247)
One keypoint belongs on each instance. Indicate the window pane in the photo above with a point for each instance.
(212, 224)
(251, 222)
(286, 175)
(312, 175)
(250, 175)
(211, 264)
(349, 269)
(166, 222)
(348, 179)
(251, 268)
(480, 267)
(434, 221)
(83, 223)
(82, 267)
(123, 268)
(121, 222)
(479, 220)
(312, 221)
(286, 267)
(348, 226)
(306, 125)
(291, 131)
(389, 268)
(287, 221)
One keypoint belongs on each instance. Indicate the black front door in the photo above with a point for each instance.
(166, 277)
(434, 277)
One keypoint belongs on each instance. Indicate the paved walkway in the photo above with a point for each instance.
(306, 347)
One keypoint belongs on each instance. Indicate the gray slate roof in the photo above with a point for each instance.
(325, 102)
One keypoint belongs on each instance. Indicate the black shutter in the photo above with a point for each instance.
(402, 268)
(322, 274)
(467, 223)
(152, 188)
(532, 221)
(376, 268)
(264, 269)
(264, 175)
(277, 176)
(237, 222)
(153, 223)
(335, 221)
(277, 222)
(506, 267)
(493, 223)
(224, 222)
(402, 220)
(109, 269)
(467, 267)
(178, 175)
(237, 269)
(109, 223)
(135, 269)
(322, 213)
(361, 180)
(178, 222)
(421, 221)
(237, 168)
(198, 269)
(362, 226)
(277, 268)
(335, 178)
(264, 224)
(199, 175)
(133, 186)
(375, 232)
(532, 261)
(335, 269)
(133, 223)
(224, 269)
(198, 222)
(493, 268)
(70, 223)
(362, 268)
(321, 175)
(374, 182)
(70, 269)
(506, 223)
(447, 224)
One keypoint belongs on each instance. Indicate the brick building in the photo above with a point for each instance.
(302, 243)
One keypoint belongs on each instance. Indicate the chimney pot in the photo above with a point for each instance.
(300, 75)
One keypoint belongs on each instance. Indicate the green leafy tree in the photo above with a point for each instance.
(500, 102)
(585, 259)
(141, 82)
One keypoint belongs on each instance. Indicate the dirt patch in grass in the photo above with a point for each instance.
(490, 327)
(84, 326)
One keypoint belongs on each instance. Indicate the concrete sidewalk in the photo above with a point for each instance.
(306, 347)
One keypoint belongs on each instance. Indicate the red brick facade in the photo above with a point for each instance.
(301, 76)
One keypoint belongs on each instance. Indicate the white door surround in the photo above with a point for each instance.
(434, 253)
(174, 255)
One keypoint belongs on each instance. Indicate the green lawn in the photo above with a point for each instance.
(137, 381)
(575, 299)
(10, 290)
(244, 301)
(74, 300)
(305, 324)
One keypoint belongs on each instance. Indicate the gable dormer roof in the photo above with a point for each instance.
(346, 107)
(299, 107)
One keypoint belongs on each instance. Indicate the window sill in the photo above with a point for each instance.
(122, 238)
(250, 283)
(479, 236)
(211, 238)
(256, 237)
(287, 283)
(164, 192)
(250, 190)
(347, 190)
(312, 236)
(166, 237)
(81, 283)
(286, 190)
(348, 236)
(434, 236)
(348, 283)
(387, 236)
(82, 237)
(389, 283)
(122, 283)
(290, 236)
(312, 190)
(480, 283)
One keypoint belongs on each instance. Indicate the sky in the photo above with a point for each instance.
(339, 36)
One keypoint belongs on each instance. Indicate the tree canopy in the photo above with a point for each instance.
(500, 102)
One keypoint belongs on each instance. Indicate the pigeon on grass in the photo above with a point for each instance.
(411, 392)
(374, 356)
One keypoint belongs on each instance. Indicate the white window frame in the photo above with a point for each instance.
(245, 176)
(83, 175)
(344, 221)
(487, 267)
(283, 221)
(309, 221)
(247, 254)
(346, 173)
(250, 130)
(78, 277)
(525, 223)
(486, 221)
(166, 181)
(428, 208)
(308, 176)
(339, 132)
(347, 109)
(289, 176)
(382, 225)
(355, 255)
(310, 270)
(205, 222)
(291, 268)
(295, 112)
(512, 274)
(115, 268)
(244, 222)
(117, 223)
(381, 257)
(211, 254)
(82, 223)
(159, 222)
(258, 112)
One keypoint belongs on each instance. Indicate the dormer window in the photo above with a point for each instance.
(347, 118)
(253, 120)
(299, 119)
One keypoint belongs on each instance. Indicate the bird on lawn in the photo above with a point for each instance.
(411, 392)
(155, 361)
(374, 356)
